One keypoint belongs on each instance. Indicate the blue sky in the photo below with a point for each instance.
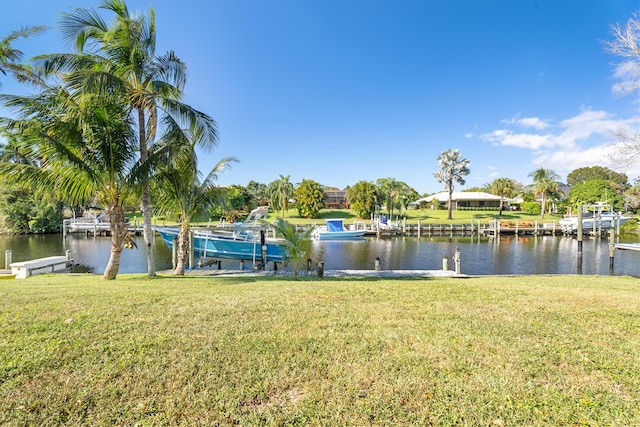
(340, 91)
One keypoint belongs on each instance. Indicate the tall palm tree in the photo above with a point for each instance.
(180, 191)
(122, 58)
(281, 191)
(545, 183)
(503, 187)
(453, 167)
(78, 145)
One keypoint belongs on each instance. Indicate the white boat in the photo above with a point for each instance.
(90, 222)
(334, 230)
(595, 217)
(383, 224)
(628, 246)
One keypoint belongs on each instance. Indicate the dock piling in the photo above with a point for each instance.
(8, 258)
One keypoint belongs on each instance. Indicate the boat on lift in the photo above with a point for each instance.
(595, 217)
(246, 240)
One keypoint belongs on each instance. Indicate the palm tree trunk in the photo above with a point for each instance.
(182, 250)
(450, 201)
(145, 207)
(145, 199)
(118, 234)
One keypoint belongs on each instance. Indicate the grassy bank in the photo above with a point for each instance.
(253, 351)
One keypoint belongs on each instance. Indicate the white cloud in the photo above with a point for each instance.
(521, 140)
(468, 135)
(585, 127)
(528, 122)
(587, 139)
(628, 76)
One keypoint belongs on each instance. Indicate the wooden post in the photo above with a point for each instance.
(377, 264)
(535, 227)
(8, 258)
(321, 269)
(191, 250)
(174, 253)
(419, 229)
(456, 259)
(241, 264)
(517, 227)
(580, 230)
(263, 252)
(445, 263)
(612, 249)
(308, 264)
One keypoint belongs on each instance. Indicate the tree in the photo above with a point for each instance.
(10, 57)
(258, 193)
(78, 145)
(597, 190)
(296, 243)
(626, 39)
(632, 198)
(503, 187)
(183, 194)
(395, 194)
(363, 198)
(122, 58)
(582, 175)
(545, 184)
(309, 198)
(453, 168)
(281, 191)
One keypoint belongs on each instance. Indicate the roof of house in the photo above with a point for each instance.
(458, 196)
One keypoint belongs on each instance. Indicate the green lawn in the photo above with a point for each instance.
(425, 216)
(75, 350)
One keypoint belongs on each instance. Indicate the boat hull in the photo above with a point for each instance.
(571, 224)
(232, 246)
(341, 235)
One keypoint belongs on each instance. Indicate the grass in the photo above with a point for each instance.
(425, 216)
(75, 350)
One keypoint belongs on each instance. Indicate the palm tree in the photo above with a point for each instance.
(10, 57)
(503, 187)
(453, 167)
(296, 243)
(122, 58)
(545, 183)
(281, 191)
(179, 190)
(78, 145)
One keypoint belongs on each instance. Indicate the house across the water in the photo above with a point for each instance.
(463, 200)
(336, 199)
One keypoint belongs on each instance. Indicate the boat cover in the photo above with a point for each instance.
(334, 225)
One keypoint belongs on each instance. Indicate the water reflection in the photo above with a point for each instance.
(479, 254)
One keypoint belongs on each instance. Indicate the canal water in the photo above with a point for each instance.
(479, 255)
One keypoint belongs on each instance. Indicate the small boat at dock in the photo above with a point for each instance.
(334, 230)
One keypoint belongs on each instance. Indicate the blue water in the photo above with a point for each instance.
(478, 255)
